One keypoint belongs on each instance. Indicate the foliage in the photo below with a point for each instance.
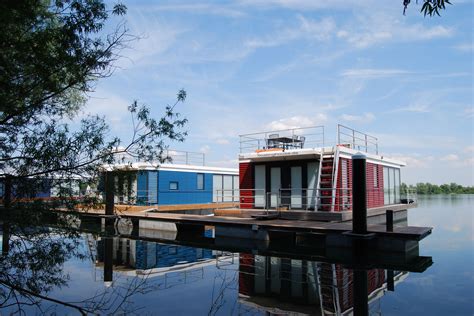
(429, 7)
(36, 245)
(428, 188)
(51, 55)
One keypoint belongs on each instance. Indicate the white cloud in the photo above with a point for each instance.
(469, 112)
(373, 73)
(465, 47)
(365, 118)
(307, 29)
(413, 161)
(469, 149)
(296, 122)
(112, 107)
(416, 108)
(305, 4)
(222, 141)
(373, 28)
(450, 157)
(198, 8)
(205, 149)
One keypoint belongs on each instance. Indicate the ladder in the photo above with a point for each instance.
(327, 183)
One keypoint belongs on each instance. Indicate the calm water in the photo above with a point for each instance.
(151, 278)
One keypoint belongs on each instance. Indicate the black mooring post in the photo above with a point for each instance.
(7, 192)
(389, 220)
(108, 259)
(109, 193)
(361, 295)
(390, 281)
(5, 238)
(359, 194)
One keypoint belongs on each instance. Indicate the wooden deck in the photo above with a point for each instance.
(410, 232)
(140, 209)
(313, 215)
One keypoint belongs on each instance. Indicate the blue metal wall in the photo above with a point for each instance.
(187, 192)
(152, 187)
(142, 187)
(153, 255)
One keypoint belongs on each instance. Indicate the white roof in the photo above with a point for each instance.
(171, 167)
(315, 153)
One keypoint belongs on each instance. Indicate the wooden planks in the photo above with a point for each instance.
(410, 232)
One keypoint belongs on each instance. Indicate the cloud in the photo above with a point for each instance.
(307, 29)
(465, 47)
(413, 161)
(377, 27)
(450, 157)
(469, 149)
(369, 73)
(304, 4)
(296, 122)
(205, 149)
(222, 141)
(365, 118)
(469, 112)
(198, 8)
(415, 108)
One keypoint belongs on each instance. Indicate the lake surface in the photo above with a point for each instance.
(45, 270)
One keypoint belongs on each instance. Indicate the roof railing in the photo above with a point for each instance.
(292, 138)
(347, 136)
(307, 137)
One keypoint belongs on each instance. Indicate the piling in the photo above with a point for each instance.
(389, 220)
(7, 192)
(109, 193)
(360, 290)
(359, 194)
(108, 260)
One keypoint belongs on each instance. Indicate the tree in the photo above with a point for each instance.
(51, 54)
(429, 7)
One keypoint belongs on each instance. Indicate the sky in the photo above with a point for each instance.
(256, 65)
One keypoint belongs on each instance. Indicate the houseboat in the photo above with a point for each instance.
(297, 169)
(185, 179)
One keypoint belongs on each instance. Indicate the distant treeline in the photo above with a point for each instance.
(428, 188)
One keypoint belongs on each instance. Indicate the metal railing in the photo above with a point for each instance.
(325, 199)
(172, 156)
(409, 196)
(283, 139)
(186, 157)
(347, 136)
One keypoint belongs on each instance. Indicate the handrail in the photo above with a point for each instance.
(367, 140)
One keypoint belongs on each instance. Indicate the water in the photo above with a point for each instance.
(163, 278)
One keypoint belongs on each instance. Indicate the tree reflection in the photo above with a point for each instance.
(32, 266)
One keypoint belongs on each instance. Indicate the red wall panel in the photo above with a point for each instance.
(246, 184)
(374, 187)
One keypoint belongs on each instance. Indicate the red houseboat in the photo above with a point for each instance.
(296, 169)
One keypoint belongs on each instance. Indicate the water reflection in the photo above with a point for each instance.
(265, 284)
(44, 270)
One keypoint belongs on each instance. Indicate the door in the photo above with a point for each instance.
(312, 184)
(275, 186)
(259, 186)
(296, 187)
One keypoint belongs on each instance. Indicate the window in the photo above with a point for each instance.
(172, 250)
(200, 181)
(391, 185)
(376, 173)
(174, 185)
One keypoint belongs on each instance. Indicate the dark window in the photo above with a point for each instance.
(174, 185)
(200, 181)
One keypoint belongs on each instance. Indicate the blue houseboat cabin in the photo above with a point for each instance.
(171, 184)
